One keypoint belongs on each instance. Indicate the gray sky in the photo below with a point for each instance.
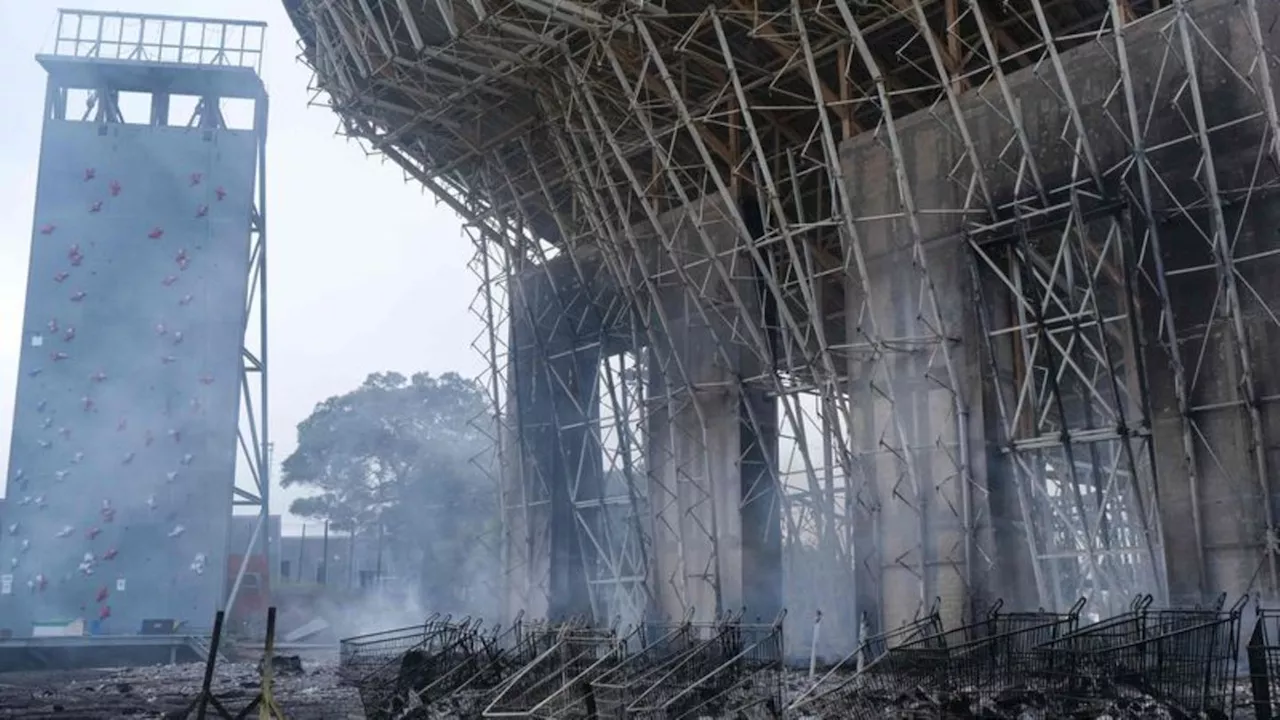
(366, 272)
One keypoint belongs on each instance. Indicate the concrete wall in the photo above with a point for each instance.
(935, 154)
(124, 438)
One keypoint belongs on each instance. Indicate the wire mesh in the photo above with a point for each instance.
(734, 670)
(619, 686)
(463, 662)
(835, 688)
(1263, 652)
(963, 670)
(977, 675)
(361, 654)
(501, 660)
(1000, 622)
(557, 683)
(1186, 658)
(392, 686)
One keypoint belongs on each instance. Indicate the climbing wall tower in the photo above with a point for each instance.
(137, 372)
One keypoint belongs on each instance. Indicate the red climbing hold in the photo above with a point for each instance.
(48, 229)
(89, 174)
(102, 594)
(110, 554)
(105, 612)
(96, 207)
(202, 210)
(75, 260)
(156, 233)
(181, 256)
(92, 533)
(62, 275)
(170, 280)
(114, 186)
(183, 263)
(69, 334)
(220, 193)
(196, 178)
(80, 295)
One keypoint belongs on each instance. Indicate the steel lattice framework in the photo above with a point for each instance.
(969, 276)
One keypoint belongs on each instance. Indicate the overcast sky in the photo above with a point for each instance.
(367, 273)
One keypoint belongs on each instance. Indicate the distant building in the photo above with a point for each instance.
(301, 559)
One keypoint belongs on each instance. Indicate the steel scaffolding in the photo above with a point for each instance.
(601, 154)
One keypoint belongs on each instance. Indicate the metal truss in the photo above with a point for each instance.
(835, 231)
(180, 40)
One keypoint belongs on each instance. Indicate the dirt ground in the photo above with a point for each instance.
(165, 691)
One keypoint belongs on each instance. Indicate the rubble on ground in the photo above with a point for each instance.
(165, 690)
(282, 665)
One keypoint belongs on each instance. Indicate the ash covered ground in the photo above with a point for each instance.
(166, 690)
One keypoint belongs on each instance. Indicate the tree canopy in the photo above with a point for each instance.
(404, 457)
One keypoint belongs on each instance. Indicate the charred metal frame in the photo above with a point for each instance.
(585, 143)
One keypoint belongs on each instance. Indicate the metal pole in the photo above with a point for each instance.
(377, 570)
(351, 558)
(206, 684)
(244, 563)
(264, 404)
(322, 570)
(302, 547)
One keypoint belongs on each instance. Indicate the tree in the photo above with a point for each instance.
(402, 457)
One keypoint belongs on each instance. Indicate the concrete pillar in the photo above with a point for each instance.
(1228, 494)
(555, 360)
(716, 525)
(910, 513)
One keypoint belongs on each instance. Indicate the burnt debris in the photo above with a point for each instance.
(1144, 662)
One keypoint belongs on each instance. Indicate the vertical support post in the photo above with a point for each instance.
(264, 401)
